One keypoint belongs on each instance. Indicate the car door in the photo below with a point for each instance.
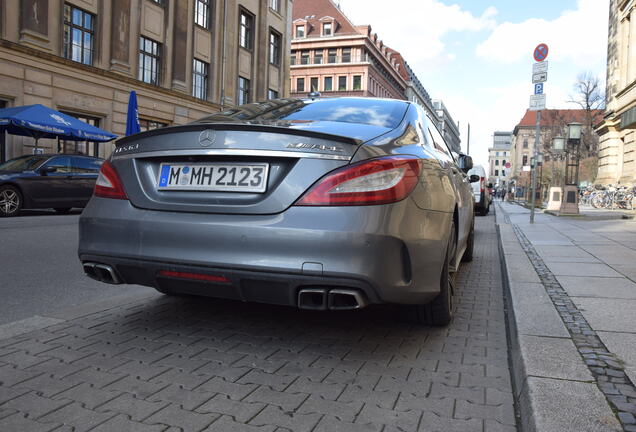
(460, 182)
(84, 174)
(53, 189)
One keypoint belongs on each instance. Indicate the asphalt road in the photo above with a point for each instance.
(39, 269)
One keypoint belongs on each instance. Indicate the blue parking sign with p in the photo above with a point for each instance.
(538, 88)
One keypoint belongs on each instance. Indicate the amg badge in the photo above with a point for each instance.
(335, 149)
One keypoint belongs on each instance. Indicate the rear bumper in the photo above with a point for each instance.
(391, 254)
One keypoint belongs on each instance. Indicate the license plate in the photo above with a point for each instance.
(220, 177)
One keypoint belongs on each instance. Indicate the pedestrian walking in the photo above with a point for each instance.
(503, 195)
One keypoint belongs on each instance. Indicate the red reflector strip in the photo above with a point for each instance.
(194, 276)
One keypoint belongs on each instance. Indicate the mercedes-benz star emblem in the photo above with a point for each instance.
(207, 137)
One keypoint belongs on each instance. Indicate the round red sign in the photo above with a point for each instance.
(507, 165)
(541, 52)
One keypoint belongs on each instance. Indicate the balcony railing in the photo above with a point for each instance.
(315, 60)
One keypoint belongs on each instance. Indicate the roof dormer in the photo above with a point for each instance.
(327, 26)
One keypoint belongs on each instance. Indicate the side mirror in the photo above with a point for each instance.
(47, 170)
(465, 162)
(474, 178)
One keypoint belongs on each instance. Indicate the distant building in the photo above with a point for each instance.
(617, 130)
(415, 92)
(498, 157)
(331, 55)
(553, 123)
(447, 126)
(185, 59)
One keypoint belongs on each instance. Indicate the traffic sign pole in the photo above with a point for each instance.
(539, 76)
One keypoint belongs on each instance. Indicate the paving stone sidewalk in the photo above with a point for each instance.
(188, 364)
(573, 292)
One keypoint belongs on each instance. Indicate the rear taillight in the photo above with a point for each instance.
(377, 181)
(108, 184)
(482, 183)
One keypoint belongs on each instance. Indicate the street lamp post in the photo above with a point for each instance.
(555, 197)
(570, 203)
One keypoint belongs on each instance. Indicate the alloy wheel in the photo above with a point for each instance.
(9, 201)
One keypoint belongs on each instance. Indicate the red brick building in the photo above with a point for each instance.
(331, 55)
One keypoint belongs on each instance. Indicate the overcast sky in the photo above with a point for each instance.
(476, 55)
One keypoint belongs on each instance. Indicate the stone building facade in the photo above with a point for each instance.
(498, 157)
(184, 59)
(447, 126)
(553, 123)
(331, 55)
(617, 130)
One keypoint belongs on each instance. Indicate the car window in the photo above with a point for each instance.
(23, 163)
(61, 163)
(439, 144)
(377, 112)
(85, 165)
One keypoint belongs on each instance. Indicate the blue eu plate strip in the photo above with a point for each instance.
(165, 172)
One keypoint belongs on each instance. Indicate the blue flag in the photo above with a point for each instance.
(132, 118)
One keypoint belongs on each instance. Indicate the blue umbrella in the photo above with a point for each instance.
(38, 121)
(132, 118)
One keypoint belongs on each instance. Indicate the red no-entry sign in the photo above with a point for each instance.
(541, 52)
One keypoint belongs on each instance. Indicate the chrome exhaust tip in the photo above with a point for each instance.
(101, 272)
(344, 299)
(312, 299)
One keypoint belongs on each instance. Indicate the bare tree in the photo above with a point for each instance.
(590, 96)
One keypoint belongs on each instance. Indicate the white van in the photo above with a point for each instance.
(481, 190)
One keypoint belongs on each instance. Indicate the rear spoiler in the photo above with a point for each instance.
(238, 127)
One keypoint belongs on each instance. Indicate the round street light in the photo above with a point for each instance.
(574, 130)
(558, 144)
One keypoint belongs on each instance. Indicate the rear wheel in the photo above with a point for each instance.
(483, 211)
(10, 201)
(439, 312)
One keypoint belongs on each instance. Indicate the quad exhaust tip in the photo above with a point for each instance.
(101, 272)
(335, 299)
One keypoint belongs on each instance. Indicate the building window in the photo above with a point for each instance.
(318, 57)
(146, 125)
(331, 58)
(274, 5)
(292, 58)
(80, 147)
(300, 84)
(272, 94)
(357, 82)
(327, 29)
(497, 154)
(304, 57)
(274, 48)
(497, 173)
(246, 25)
(243, 90)
(199, 79)
(328, 84)
(79, 35)
(202, 13)
(525, 143)
(342, 83)
(314, 84)
(149, 60)
(497, 162)
(525, 160)
(300, 31)
(346, 55)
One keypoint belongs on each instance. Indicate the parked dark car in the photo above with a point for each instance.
(319, 204)
(57, 181)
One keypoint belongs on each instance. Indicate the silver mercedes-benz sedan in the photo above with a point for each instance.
(319, 204)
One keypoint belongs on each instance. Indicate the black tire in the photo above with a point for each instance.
(439, 312)
(62, 210)
(10, 201)
(470, 245)
(483, 211)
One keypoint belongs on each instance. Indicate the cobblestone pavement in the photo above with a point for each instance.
(191, 364)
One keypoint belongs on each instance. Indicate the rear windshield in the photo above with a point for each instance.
(23, 163)
(386, 113)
